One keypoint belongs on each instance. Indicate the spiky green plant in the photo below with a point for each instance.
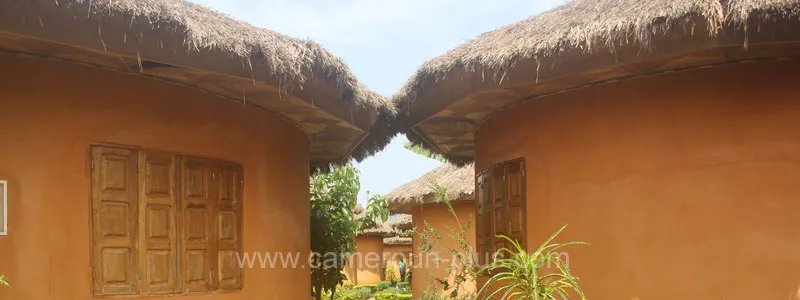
(517, 274)
(4, 281)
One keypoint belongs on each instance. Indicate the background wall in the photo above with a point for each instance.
(685, 184)
(368, 262)
(392, 255)
(438, 217)
(50, 113)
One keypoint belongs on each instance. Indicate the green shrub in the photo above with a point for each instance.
(362, 293)
(404, 287)
(382, 296)
(390, 275)
(383, 285)
(4, 281)
(373, 287)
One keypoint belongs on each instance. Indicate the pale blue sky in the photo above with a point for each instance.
(383, 42)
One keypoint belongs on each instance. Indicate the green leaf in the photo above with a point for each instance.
(418, 149)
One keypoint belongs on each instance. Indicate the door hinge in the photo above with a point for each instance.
(92, 164)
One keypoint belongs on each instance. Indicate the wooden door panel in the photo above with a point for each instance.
(114, 230)
(484, 216)
(196, 209)
(158, 260)
(228, 227)
(228, 220)
(229, 272)
(515, 172)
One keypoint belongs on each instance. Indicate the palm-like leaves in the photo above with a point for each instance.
(4, 281)
(517, 274)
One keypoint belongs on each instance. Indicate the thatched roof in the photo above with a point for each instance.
(400, 222)
(583, 42)
(459, 182)
(379, 228)
(188, 44)
(396, 240)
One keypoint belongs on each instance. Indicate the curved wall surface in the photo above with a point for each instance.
(686, 184)
(50, 112)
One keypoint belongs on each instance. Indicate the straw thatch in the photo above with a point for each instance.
(400, 222)
(379, 228)
(586, 27)
(286, 58)
(397, 241)
(459, 182)
(120, 28)
(590, 25)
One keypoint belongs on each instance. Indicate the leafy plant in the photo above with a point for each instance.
(333, 226)
(392, 296)
(377, 209)
(464, 270)
(4, 280)
(529, 276)
(418, 149)
(390, 274)
(429, 237)
(404, 287)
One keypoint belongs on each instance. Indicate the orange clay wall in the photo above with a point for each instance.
(425, 269)
(49, 114)
(392, 255)
(368, 259)
(687, 185)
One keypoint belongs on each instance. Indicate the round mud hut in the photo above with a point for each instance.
(367, 263)
(664, 132)
(149, 145)
(399, 245)
(419, 199)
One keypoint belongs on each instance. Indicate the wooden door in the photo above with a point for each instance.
(499, 205)
(157, 223)
(515, 182)
(114, 215)
(485, 236)
(228, 227)
(197, 220)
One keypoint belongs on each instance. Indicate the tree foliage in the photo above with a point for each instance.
(418, 149)
(333, 225)
(465, 268)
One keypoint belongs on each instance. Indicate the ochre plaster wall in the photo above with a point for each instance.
(50, 113)
(685, 184)
(438, 217)
(368, 259)
(392, 255)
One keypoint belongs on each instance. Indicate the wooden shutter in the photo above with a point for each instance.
(196, 235)
(157, 224)
(114, 230)
(499, 205)
(515, 181)
(228, 232)
(484, 213)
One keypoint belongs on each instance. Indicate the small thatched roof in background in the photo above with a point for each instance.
(400, 222)
(581, 43)
(459, 182)
(379, 228)
(396, 240)
(185, 43)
